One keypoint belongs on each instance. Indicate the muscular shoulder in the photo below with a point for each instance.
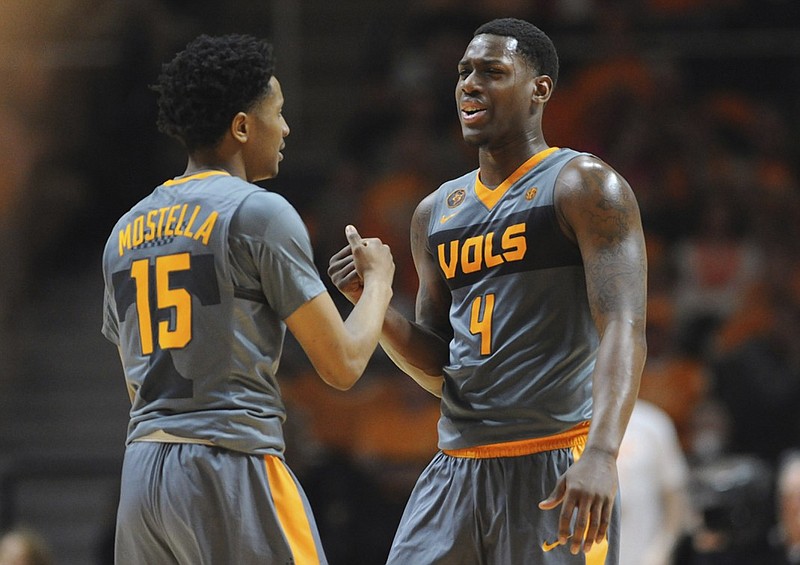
(424, 210)
(588, 178)
(591, 193)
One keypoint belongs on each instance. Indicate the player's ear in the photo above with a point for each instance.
(542, 89)
(239, 127)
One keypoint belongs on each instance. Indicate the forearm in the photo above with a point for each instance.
(364, 324)
(617, 373)
(418, 352)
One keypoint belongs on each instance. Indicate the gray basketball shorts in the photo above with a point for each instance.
(473, 509)
(200, 505)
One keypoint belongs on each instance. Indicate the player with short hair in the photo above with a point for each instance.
(202, 278)
(530, 318)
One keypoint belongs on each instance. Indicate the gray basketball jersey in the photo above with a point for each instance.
(199, 277)
(524, 342)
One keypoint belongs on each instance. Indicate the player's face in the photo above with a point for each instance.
(494, 91)
(266, 135)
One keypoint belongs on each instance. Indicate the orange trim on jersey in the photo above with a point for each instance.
(196, 176)
(573, 438)
(491, 196)
(291, 512)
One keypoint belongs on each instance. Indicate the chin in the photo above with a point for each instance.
(271, 174)
(473, 139)
(261, 176)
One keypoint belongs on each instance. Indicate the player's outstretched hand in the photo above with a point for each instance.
(360, 260)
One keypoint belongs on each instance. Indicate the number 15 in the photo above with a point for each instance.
(172, 334)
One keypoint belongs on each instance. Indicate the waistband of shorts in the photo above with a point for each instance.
(160, 436)
(573, 437)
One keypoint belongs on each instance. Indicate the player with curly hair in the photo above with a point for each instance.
(202, 278)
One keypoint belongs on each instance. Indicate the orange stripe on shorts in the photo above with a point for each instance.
(291, 512)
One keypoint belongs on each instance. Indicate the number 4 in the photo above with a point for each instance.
(482, 324)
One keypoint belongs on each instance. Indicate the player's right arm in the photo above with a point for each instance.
(340, 350)
(420, 347)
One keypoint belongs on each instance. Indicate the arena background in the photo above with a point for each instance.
(694, 101)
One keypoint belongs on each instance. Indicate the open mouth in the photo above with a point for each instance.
(471, 113)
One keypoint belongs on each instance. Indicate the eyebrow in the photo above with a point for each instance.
(484, 61)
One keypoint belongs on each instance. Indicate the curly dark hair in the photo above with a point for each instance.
(532, 43)
(207, 83)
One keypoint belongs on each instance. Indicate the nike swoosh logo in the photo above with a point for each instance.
(550, 546)
(445, 218)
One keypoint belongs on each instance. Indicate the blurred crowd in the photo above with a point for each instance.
(693, 101)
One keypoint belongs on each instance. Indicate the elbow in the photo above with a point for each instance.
(341, 378)
(340, 384)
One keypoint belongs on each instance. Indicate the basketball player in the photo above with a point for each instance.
(530, 320)
(203, 277)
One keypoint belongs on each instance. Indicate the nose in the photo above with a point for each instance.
(469, 83)
(285, 128)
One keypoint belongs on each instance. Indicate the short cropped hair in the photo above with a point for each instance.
(532, 43)
(208, 83)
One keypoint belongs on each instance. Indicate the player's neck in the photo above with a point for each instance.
(200, 163)
(496, 165)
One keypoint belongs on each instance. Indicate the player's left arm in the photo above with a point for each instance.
(596, 207)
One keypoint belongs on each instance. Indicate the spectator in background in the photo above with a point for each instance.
(758, 380)
(23, 546)
(653, 479)
(717, 264)
(729, 498)
(785, 538)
